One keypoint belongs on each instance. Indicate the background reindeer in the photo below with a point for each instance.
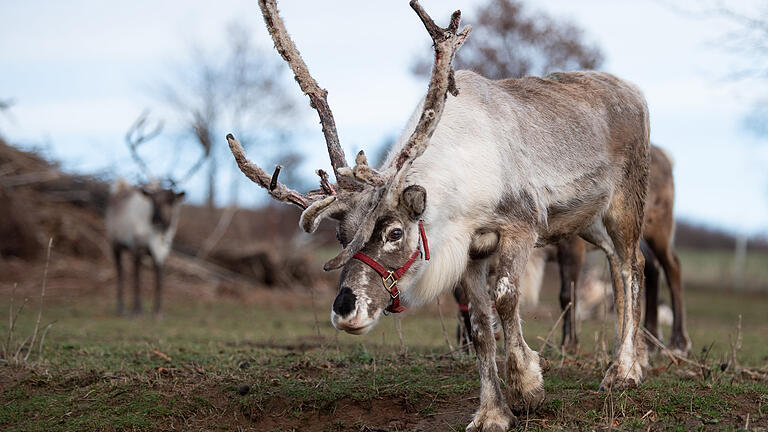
(658, 236)
(142, 219)
(563, 155)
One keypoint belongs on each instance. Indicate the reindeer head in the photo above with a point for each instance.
(165, 204)
(378, 213)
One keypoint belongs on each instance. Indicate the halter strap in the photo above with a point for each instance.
(390, 277)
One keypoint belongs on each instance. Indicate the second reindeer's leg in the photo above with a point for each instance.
(158, 305)
(570, 257)
(494, 414)
(118, 254)
(137, 282)
(523, 372)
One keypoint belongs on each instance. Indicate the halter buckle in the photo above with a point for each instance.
(389, 282)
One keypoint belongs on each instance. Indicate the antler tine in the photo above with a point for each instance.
(137, 135)
(257, 175)
(446, 42)
(195, 167)
(317, 95)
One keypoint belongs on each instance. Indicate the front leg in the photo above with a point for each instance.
(525, 384)
(493, 414)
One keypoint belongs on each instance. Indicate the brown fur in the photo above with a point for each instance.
(658, 233)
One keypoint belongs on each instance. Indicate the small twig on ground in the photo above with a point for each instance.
(455, 350)
(11, 323)
(403, 347)
(42, 295)
(560, 318)
(42, 339)
(736, 347)
(442, 325)
(554, 347)
(162, 355)
(672, 356)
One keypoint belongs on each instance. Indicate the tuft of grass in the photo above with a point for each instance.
(16, 352)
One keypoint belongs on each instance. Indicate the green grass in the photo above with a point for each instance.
(100, 372)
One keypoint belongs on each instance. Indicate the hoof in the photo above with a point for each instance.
(525, 388)
(528, 403)
(621, 379)
(571, 347)
(680, 346)
(492, 420)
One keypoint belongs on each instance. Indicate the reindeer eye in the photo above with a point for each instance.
(395, 235)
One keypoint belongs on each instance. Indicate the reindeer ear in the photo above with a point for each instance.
(414, 200)
(314, 214)
(179, 196)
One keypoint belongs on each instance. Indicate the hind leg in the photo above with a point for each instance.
(570, 257)
(626, 263)
(680, 342)
(651, 271)
(118, 255)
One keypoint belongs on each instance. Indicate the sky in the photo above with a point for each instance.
(81, 71)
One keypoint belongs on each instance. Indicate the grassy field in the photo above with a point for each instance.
(268, 365)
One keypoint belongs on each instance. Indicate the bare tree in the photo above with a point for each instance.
(242, 89)
(510, 42)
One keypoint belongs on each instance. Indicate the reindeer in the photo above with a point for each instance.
(514, 164)
(142, 219)
(658, 236)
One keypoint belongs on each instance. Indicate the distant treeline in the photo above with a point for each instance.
(697, 236)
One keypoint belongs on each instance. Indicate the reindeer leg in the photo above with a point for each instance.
(651, 272)
(626, 265)
(463, 332)
(524, 381)
(679, 341)
(570, 256)
(158, 305)
(493, 414)
(137, 283)
(118, 254)
(620, 238)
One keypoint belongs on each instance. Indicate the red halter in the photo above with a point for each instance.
(389, 278)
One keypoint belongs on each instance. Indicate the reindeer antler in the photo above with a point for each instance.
(446, 43)
(318, 101)
(138, 134)
(317, 95)
(257, 175)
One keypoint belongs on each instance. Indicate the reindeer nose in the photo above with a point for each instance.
(345, 302)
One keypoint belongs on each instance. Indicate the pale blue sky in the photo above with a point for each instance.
(80, 71)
